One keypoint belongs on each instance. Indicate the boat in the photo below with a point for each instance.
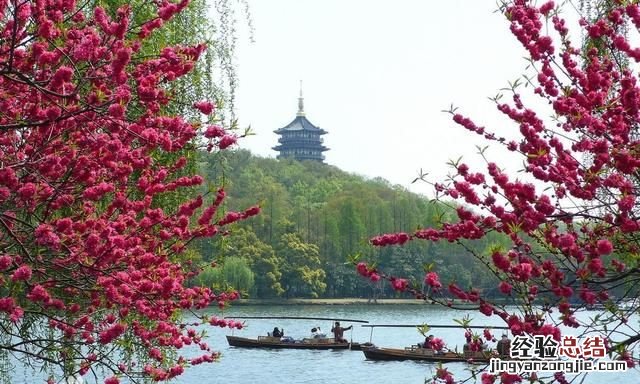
(271, 342)
(416, 352)
(423, 354)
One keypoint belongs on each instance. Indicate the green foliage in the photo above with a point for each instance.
(315, 216)
(260, 257)
(234, 273)
(423, 329)
(302, 274)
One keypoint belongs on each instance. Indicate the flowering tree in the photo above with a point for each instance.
(90, 271)
(571, 216)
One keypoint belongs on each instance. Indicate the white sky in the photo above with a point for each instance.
(376, 75)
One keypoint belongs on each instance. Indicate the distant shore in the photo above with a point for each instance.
(344, 301)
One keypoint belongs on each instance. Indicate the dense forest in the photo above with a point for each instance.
(314, 217)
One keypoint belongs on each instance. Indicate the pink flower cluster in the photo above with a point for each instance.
(365, 271)
(89, 153)
(571, 214)
(390, 239)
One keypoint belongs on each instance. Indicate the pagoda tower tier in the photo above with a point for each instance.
(300, 139)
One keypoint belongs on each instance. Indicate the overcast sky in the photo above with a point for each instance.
(376, 75)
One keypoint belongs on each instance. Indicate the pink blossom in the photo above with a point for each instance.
(432, 280)
(155, 353)
(252, 211)
(111, 333)
(488, 378)
(7, 304)
(437, 344)
(604, 247)
(500, 261)
(5, 262)
(566, 241)
(399, 284)
(39, 294)
(506, 378)
(362, 269)
(27, 191)
(205, 107)
(214, 131)
(505, 287)
(23, 273)
(116, 110)
(227, 141)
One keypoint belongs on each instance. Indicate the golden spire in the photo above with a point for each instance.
(300, 102)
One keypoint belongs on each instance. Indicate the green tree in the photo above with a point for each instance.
(234, 273)
(302, 274)
(266, 266)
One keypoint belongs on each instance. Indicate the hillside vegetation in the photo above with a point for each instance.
(314, 216)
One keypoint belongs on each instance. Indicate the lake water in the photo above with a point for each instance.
(241, 365)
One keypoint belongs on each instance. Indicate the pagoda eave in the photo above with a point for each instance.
(284, 147)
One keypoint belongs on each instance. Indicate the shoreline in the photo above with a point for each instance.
(346, 301)
(343, 301)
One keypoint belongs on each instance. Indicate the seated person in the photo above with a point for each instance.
(316, 333)
(277, 333)
(434, 343)
(428, 342)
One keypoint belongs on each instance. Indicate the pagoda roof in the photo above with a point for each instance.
(300, 123)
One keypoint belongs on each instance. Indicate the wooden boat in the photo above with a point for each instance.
(276, 342)
(307, 343)
(422, 354)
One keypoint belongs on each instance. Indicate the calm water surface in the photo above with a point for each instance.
(241, 365)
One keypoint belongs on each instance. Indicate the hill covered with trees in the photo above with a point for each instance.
(314, 216)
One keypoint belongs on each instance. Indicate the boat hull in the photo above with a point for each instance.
(387, 354)
(275, 343)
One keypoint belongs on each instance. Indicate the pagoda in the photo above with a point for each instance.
(300, 139)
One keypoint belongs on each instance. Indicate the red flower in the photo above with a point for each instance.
(500, 261)
(432, 280)
(362, 269)
(227, 141)
(505, 287)
(604, 247)
(23, 273)
(488, 378)
(214, 131)
(5, 262)
(399, 284)
(205, 107)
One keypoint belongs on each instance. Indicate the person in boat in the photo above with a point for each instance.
(277, 333)
(504, 345)
(316, 333)
(428, 342)
(338, 332)
(436, 344)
